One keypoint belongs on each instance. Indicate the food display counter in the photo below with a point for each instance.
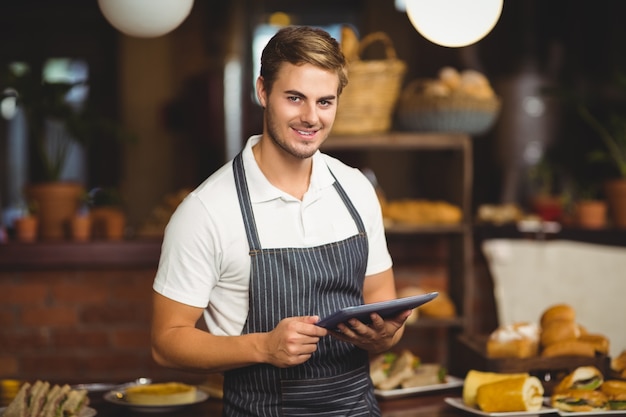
(426, 405)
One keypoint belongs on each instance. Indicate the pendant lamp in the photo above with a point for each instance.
(145, 18)
(454, 23)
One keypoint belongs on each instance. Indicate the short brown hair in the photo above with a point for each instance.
(299, 45)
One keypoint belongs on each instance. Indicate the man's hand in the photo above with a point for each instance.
(376, 337)
(293, 341)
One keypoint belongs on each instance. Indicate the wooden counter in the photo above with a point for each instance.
(429, 405)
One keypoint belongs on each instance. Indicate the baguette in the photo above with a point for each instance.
(523, 393)
(474, 379)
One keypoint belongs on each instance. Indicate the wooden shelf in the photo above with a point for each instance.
(398, 140)
(455, 164)
(67, 254)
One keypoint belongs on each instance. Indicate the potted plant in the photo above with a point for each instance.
(47, 110)
(613, 136)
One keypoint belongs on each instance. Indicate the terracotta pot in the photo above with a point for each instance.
(591, 214)
(81, 228)
(615, 191)
(26, 229)
(548, 208)
(56, 204)
(108, 223)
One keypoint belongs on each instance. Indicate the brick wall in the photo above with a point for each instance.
(77, 325)
(89, 323)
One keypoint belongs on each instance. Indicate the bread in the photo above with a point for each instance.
(440, 307)
(42, 399)
(615, 391)
(557, 331)
(524, 393)
(579, 401)
(557, 312)
(18, 407)
(517, 340)
(402, 368)
(618, 363)
(474, 379)
(572, 347)
(167, 393)
(425, 374)
(583, 377)
(600, 343)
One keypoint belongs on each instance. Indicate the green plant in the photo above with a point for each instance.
(613, 135)
(53, 123)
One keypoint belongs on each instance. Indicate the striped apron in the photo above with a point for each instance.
(287, 282)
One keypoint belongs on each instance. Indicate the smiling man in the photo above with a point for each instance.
(272, 241)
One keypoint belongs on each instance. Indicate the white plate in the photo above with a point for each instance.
(458, 403)
(87, 412)
(110, 397)
(592, 413)
(452, 382)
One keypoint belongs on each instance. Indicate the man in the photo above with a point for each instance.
(274, 240)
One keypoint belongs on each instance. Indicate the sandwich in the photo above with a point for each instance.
(77, 400)
(39, 391)
(18, 407)
(581, 378)
(54, 400)
(43, 400)
(474, 379)
(615, 391)
(579, 400)
(402, 368)
(523, 393)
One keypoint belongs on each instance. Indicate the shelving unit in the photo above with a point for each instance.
(450, 156)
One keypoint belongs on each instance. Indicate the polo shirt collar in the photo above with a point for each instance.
(261, 190)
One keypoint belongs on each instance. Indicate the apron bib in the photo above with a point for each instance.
(286, 282)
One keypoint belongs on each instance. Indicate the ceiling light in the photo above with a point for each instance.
(454, 23)
(145, 18)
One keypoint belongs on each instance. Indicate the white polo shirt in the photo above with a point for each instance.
(204, 257)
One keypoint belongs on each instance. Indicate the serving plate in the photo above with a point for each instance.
(458, 403)
(86, 412)
(112, 398)
(451, 382)
(591, 413)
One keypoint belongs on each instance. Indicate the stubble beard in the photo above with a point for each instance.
(272, 131)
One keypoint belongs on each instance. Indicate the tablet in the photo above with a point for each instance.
(385, 309)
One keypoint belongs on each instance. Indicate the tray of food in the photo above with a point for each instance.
(584, 391)
(550, 348)
(403, 374)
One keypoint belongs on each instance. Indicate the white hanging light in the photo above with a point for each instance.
(454, 23)
(145, 18)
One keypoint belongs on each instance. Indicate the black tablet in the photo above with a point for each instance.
(384, 308)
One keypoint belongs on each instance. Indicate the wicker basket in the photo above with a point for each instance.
(453, 113)
(367, 103)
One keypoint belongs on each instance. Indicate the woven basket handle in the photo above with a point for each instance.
(415, 86)
(378, 36)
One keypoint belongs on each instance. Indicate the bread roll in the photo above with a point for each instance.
(558, 331)
(599, 342)
(557, 312)
(571, 347)
(580, 401)
(583, 377)
(475, 379)
(524, 393)
(615, 391)
(517, 340)
(618, 363)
